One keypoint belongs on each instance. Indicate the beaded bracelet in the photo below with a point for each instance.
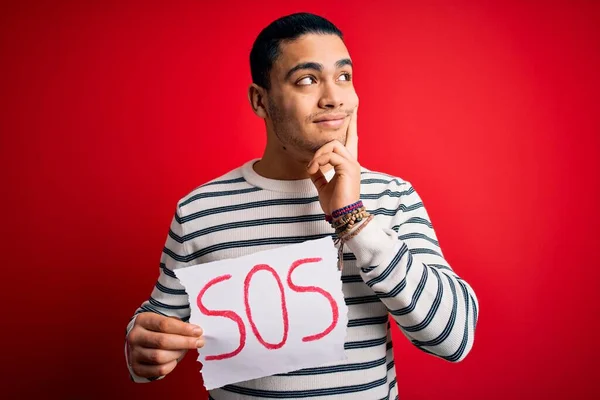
(343, 239)
(343, 229)
(345, 210)
(345, 219)
(342, 211)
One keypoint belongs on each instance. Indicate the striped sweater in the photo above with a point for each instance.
(393, 268)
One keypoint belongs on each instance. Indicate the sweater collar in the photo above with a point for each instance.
(276, 185)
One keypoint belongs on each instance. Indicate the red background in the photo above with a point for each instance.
(112, 111)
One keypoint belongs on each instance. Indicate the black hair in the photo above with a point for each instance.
(265, 49)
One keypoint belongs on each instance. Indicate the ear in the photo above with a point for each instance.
(257, 98)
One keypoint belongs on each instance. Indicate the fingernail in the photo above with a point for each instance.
(199, 343)
(197, 331)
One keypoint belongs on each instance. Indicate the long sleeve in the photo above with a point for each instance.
(168, 296)
(434, 308)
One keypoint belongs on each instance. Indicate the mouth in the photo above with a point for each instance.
(332, 121)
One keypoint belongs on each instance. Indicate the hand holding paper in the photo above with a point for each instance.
(271, 312)
(156, 342)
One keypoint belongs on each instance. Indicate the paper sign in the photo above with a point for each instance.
(267, 313)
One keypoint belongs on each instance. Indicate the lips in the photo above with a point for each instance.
(332, 121)
(331, 117)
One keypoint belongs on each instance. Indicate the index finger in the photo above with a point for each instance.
(352, 134)
(162, 324)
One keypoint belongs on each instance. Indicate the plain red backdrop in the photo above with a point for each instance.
(112, 111)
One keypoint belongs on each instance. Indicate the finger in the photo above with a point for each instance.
(318, 179)
(352, 134)
(143, 355)
(334, 146)
(329, 158)
(160, 323)
(167, 341)
(153, 371)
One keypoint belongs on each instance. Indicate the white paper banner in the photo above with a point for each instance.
(271, 312)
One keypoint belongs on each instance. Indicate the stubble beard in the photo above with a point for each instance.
(289, 136)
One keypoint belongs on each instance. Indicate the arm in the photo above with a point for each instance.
(432, 305)
(168, 297)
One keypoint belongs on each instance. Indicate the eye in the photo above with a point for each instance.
(347, 76)
(306, 81)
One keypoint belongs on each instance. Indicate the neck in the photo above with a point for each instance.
(283, 164)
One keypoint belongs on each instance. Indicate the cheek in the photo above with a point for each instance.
(299, 109)
(352, 100)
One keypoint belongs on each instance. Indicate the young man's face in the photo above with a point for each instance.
(311, 81)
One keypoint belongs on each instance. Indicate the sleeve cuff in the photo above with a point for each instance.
(373, 245)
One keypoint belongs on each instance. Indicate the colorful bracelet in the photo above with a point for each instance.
(345, 210)
(356, 218)
(345, 219)
(343, 239)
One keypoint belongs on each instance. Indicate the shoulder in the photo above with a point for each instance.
(376, 182)
(389, 195)
(214, 190)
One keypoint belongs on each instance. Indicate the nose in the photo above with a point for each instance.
(331, 97)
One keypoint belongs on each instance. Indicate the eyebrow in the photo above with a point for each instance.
(317, 66)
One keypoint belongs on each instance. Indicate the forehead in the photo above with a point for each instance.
(323, 49)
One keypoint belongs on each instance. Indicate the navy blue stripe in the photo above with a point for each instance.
(157, 303)
(167, 271)
(475, 311)
(149, 308)
(247, 206)
(426, 251)
(415, 297)
(167, 290)
(449, 325)
(401, 207)
(337, 368)
(418, 236)
(205, 195)
(224, 181)
(386, 182)
(349, 257)
(361, 300)
(458, 353)
(400, 286)
(417, 220)
(352, 279)
(299, 394)
(378, 174)
(434, 307)
(242, 243)
(390, 267)
(440, 266)
(391, 365)
(389, 346)
(368, 321)
(390, 193)
(247, 224)
(361, 344)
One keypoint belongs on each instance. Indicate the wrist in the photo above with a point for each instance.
(341, 211)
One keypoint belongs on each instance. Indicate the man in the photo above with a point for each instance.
(392, 264)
